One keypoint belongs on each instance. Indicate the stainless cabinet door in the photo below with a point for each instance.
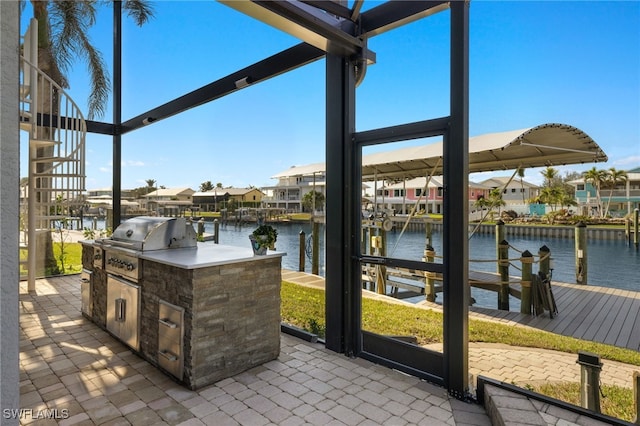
(130, 327)
(86, 287)
(123, 310)
(113, 294)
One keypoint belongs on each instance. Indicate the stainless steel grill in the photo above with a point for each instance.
(120, 256)
(140, 234)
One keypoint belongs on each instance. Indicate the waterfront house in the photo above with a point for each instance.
(169, 201)
(516, 191)
(625, 196)
(292, 186)
(210, 201)
(401, 197)
(245, 197)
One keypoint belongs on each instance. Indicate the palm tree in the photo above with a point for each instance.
(596, 178)
(206, 186)
(520, 172)
(549, 174)
(550, 195)
(62, 30)
(613, 178)
(566, 200)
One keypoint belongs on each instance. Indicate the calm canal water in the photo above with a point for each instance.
(610, 263)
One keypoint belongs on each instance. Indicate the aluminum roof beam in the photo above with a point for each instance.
(332, 27)
(272, 66)
(305, 22)
(394, 14)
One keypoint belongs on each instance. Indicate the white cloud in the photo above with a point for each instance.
(133, 163)
(634, 160)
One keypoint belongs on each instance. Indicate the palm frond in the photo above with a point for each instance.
(140, 10)
(100, 83)
(69, 22)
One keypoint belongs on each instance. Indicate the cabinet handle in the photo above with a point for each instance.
(167, 323)
(120, 309)
(168, 355)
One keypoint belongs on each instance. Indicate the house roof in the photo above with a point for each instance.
(305, 170)
(435, 182)
(502, 180)
(170, 192)
(238, 191)
(548, 144)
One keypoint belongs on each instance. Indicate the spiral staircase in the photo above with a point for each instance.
(56, 181)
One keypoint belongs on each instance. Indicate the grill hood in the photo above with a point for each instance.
(147, 233)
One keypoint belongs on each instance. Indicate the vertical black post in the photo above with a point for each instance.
(455, 238)
(117, 112)
(301, 250)
(343, 191)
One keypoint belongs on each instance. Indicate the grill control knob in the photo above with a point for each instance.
(129, 266)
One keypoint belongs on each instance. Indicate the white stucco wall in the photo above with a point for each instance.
(9, 210)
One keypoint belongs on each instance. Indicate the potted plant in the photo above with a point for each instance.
(263, 237)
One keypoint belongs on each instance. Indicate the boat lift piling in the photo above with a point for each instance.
(631, 228)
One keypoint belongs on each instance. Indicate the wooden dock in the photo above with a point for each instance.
(598, 314)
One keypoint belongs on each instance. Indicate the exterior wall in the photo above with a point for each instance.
(9, 209)
(290, 191)
(624, 197)
(236, 319)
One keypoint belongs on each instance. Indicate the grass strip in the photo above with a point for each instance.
(304, 307)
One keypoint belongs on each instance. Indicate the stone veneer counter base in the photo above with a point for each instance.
(231, 302)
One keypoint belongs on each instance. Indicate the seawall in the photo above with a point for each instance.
(520, 230)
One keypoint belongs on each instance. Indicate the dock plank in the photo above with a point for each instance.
(611, 322)
(618, 322)
(607, 301)
(627, 325)
(571, 312)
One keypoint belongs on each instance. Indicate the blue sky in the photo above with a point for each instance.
(531, 63)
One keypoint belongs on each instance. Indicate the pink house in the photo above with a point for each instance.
(403, 196)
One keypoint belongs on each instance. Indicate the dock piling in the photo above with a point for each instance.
(503, 270)
(635, 227)
(545, 260)
(581, 253)
(430, 282)
(525, 298)
(301, 250)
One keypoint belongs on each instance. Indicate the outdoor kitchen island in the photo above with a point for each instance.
(201, 313)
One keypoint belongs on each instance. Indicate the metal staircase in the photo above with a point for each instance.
(56, 181)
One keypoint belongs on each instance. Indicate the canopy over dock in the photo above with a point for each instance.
(550, 144)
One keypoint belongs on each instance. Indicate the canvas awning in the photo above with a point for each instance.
(545, 145)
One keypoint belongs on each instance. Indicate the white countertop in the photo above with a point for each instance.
(205, 255)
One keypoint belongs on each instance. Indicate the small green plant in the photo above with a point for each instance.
(316, 328)
(266, 236)
(92, 234)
